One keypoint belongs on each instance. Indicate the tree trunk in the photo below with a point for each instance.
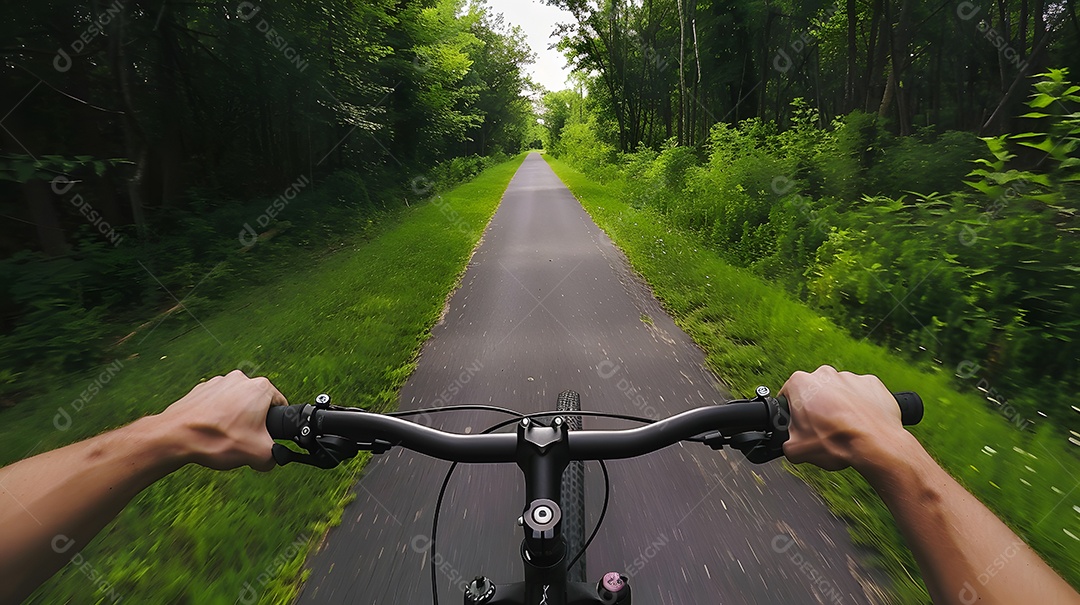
(851, 95)
(992, 124)
(134, 141)
(887, 96)
(1003, 17)
(1023, 47)
(682, 76)
(900, 58)
(876, 56)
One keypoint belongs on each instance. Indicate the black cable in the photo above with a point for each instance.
(603, 513)
(455, 408)
(519, 416)
(434, 532)
(446, 481)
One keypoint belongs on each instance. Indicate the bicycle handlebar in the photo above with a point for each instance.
(284, 422)
(757, 427)
(378, 431)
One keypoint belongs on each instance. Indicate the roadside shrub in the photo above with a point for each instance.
(581, 146)
(883, 235)
(60, 315)
(925, 162)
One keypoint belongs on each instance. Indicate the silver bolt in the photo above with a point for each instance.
(521, 520)
(525, 422)
(305, 431)
(558, 421)
(762, 391)
(541, 514)
(322, 399)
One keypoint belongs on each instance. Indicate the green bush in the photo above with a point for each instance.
(581, 145)
(926, 162)
(984, 273)
(62, 315)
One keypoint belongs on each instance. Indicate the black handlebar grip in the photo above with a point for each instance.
(283, 421)
(911, 407)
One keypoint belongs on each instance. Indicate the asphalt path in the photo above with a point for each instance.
(548, 303)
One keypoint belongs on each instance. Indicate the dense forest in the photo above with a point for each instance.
(674, 68)
(140, 137)
(835, 149)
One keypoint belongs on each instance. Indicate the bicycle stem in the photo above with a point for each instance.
(543, 454)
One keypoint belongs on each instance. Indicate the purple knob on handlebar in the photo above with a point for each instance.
(613, 581)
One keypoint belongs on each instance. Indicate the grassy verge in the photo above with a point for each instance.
(753, 333)
(350, 325)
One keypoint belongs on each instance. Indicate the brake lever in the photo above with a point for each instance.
(758, 446)
(325, 451)
(331, 451)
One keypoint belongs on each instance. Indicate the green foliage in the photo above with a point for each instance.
(581, 144)
(924, 162)
(753, 333)
(880, 233)
(451, 173)
(67, 314)
(21, 168)
(348, 321)
(673, 68)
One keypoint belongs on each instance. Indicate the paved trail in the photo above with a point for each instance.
(547, 304)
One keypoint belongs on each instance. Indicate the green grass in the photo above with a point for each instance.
(350, 325)
(753, 333)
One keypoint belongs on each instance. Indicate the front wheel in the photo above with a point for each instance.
(573, 495)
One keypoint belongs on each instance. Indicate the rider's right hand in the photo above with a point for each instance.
(839, 419)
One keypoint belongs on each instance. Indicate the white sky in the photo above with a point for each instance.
(538, 21)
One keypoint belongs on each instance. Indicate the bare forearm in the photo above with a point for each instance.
(56, 502)
(966, 554)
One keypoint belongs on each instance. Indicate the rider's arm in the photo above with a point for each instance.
(966, 554)
(53, 504)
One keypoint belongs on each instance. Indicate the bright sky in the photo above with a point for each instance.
(538, 21)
